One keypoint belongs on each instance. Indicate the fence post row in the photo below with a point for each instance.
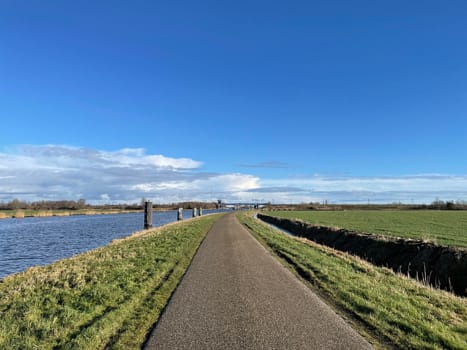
(148, 214)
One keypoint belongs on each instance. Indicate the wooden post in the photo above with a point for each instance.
(200, 213)
(147, 215)
(180, 214)
(195, 212)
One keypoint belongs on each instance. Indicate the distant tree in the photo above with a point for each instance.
(449, 205)
(437, 203)
(17, 204)
(81, 203)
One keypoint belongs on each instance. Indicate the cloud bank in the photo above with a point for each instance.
(53, 172)
(353, 189)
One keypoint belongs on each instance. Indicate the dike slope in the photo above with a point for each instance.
(440, 266)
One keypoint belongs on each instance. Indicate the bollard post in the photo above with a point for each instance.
(180, 214)
(200, 213)
(147, 215)
(195, 212)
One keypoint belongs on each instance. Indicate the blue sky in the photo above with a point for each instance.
(291, 101)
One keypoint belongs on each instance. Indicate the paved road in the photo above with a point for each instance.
(235, 295)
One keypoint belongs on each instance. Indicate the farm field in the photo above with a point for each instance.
(438, 226)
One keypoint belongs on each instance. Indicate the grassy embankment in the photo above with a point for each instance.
(443, 227)
(389, 308)
(21, 213)
(108, 298)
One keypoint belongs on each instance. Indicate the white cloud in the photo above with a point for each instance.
(137, 157)
(227, 182)
(202, 187)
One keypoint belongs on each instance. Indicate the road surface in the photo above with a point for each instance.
(235, 295)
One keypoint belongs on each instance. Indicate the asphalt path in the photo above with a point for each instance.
(235, 295)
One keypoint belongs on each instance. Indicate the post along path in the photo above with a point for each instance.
(235, 295)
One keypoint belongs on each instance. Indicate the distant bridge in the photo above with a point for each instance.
(235, 205)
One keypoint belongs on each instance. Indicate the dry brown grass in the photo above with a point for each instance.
(90, 212)
(61, 213)
(43, 213)
(19, 214)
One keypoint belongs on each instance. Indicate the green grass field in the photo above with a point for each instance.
(389, 308)
(108, 298)
(439, 226)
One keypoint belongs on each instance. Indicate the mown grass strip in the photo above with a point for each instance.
(108, 298)
(444, 227)
(394, 308)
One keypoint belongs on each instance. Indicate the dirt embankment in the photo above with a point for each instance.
(440, 266)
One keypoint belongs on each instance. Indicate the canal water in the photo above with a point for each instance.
(39, 241)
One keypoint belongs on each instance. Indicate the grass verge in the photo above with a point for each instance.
(393, 308)
(108, 298)
(444, 227)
